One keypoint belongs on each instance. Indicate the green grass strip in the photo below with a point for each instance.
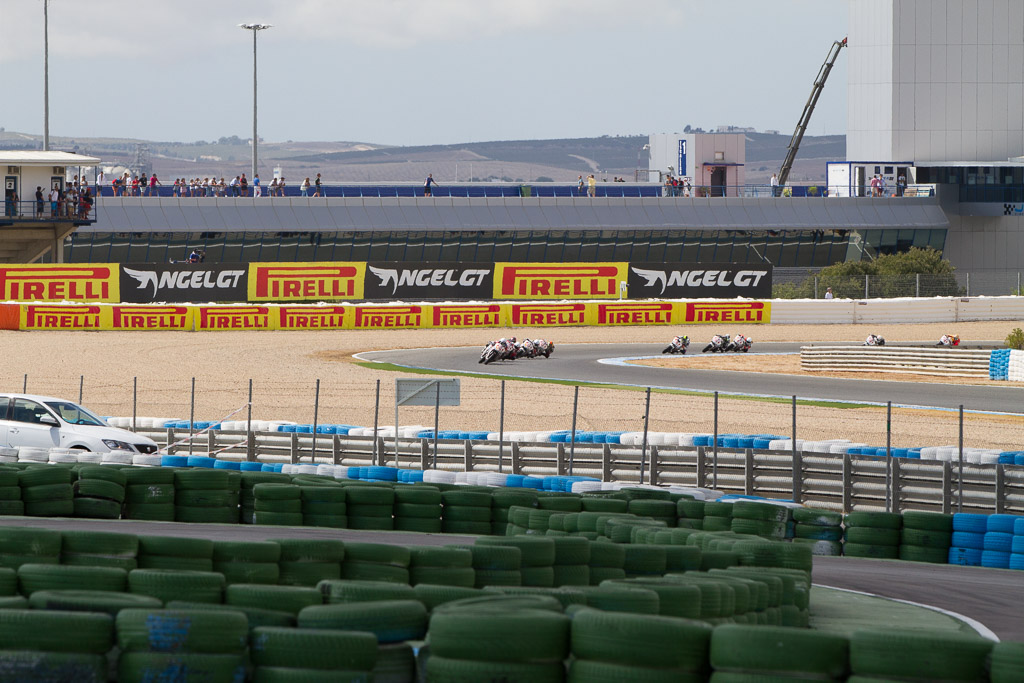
(392, 367)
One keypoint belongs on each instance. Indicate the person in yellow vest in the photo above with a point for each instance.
(591, 186)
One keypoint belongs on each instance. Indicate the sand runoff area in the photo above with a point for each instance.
(284, 367)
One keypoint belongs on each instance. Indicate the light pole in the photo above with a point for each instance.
(255, 28)
(46, 76)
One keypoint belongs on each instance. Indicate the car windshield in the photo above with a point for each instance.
(75, 414)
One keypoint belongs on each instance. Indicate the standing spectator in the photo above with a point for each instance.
(874, 185)
(319, 187)
(774, 182)
(54, 201)
(591, 185)
(243, 186)
(85, 202)
(580, 185)
(39, 200)
(100, 179)
(280, 186)
(881, 185)
(273, 186)
(176, 189)
(136, 190)
(428, 185)
(233, 186)
(257, 191)
(901, 185)
(828, 293)
(153, 182)
(304, 188)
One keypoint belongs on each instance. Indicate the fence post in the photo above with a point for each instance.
(336, 450)
(501, 429)
(468, 449)
(798, 477)
(316, 417)
(606, 462)
(917, 285)
(748, 471)
(815, 286)
(947, 487)
(714, 451)
(701, 473)
(211, 441)
(572, 444)
(169, 439)
(378, 449)
(81, 388)
(250, 446)
(960, 468)
(294, 454)
(135, 403)
(517, 467)
(425, 454)
(643, 443)
(437, 420)
(897, 485)
(24, 384)
(847, 483)
(1000, 489)
(191, 415)
(888, 457)
(968, 283)
(652, 478)
(793, 436)
(560, 458)
(867, 289)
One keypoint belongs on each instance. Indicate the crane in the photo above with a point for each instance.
(805, 117)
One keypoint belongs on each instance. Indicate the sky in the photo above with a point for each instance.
(415, 72)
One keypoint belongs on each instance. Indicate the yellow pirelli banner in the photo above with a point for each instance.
(534, 281)
(305, 317)
(284, 282)
(91, 282)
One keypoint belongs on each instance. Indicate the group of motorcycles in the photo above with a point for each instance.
(947, 340)
(511, 349)
(720, 343)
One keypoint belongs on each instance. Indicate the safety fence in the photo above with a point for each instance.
(803, 283)
(841, 482)
(894, 359)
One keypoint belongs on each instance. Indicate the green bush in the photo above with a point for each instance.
(1015, 340)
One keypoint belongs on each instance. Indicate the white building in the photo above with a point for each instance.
(715, 161)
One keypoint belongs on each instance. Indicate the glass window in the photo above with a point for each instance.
(28, 411)
(75, 414)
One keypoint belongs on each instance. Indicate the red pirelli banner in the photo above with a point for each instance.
(89, 282)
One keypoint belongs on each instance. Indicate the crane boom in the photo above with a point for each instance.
(805, 117)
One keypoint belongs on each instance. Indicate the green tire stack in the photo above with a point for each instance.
(99, 492)
(538, 557)
(371, 507)
(890, 653)
(277, 504)
(518, 520)
(11, 504)
(644, 560)
(391, 621)
(324, 506)
(609, 647)
(289, 599)
(169, 552)
(441, 566)
(99, 549)
(769, 653)
(149, 494)
(690, 514)
(181, 645)
(607, 561)
(376, 562)
(176, 584)
(872, 534)
(717, 516)
(502, 501)
(46, 491)
(205, 496)
(466, 512)
(247, 498)
(247, 561)
(308, 562)
(663, 510)
(45, 645)
(280, 655)
(495, 565)
(759, 519)
(29, 546)
(572, 561)
(418, 508)
(926, 537)
(820, 529)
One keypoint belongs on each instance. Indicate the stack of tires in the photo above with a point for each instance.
(872, 534)
(44, 645)
(247, 498)
(690, 513)
(175, 584)
(479, 642)
(495, 565)
(370, 507)
(99, 549)
(537, 556)
(518, 520)
(998, 542)
(308, 562)
(376, 562)
(717, 516)
(820, 529)
(289, 599)
(180, 645)
(899, 654)
(926, 537)
(644, 648)
(502, 501)
(29, 546)
(205, 496)
(99, 492)
(664, 510)
(644, 561)
(10, 493)
(305, 654)
(572, 561)
(740, 652)
(466, 512)
(170, 553)
(607, 561)
(441, 566)
(968, 540)
(247, 561)
(46, 491)
(391, 621)
(324, 506)
(1017, 545)
(760, 519)
(418, 508)
(277, 504)
(149, 494)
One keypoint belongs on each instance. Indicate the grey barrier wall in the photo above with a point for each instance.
(837, 482)
(914, 360)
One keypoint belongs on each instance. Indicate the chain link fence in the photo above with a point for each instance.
(794, 283)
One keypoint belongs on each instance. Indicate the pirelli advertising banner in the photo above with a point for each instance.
(99, 282)
(286, 282)
(257, 317)
(534, 281)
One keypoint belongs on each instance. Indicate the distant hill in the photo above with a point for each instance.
(506, 160)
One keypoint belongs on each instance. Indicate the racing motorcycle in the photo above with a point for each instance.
(678, 344)
(491, 353)
(740, 343)
(874, 340)
(718, 344)
(949, 340)
(543, 348)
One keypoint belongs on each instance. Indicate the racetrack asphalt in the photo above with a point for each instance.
(590, 363)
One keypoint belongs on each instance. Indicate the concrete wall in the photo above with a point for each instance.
(936, 80)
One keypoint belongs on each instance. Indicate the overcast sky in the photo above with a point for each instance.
(415, 72)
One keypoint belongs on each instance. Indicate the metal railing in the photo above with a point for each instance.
(840, 482)
(905, 360)
(46, 211)
(790, 283)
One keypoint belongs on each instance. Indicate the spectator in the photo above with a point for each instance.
(774, 182)
(39, 200)
(581, 185)
(591, 185)
(233, 186)
(828, 293)
(319, 187)
(55, 201)
(257, 191)
(428, 185)
(875, 186)
(901, 185)
(280, 187)
(304, 188)
(243, 186)
(153, 182)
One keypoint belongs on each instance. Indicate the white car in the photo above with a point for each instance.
(47, 422)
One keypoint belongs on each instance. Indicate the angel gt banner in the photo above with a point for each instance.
(700, 280)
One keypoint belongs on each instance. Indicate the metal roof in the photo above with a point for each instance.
(302, 214)
(38, 158)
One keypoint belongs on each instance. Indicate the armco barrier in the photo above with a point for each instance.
(904, 360)
(841, 482)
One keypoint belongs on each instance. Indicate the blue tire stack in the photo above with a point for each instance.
(998, 541)
(968, 539)
(999, 364)
(1017, 545)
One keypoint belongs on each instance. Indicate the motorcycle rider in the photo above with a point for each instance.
(874, 340)
(527, 348)
(949, 340)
